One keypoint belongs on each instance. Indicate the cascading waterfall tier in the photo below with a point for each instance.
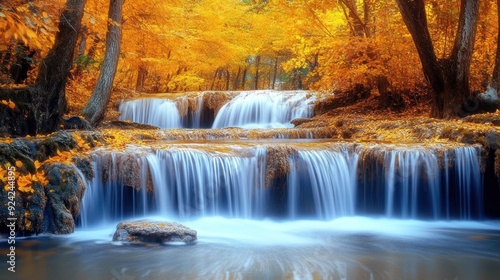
(415, 182)
(265, 109)
(247, 109)
(296, 180)
(155, 111)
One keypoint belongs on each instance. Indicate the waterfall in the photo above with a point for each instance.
(265, 109)
(420, 182)
(198, 182)
(155, 111)
(247, 109)
(321, 181)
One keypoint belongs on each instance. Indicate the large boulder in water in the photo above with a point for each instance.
(153, 232)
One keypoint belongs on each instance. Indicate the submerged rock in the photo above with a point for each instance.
(153, 232)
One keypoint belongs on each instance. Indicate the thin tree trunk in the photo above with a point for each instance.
(244, 78)
(49, 100)
(275, 72)
(216, 74)
(227, 79)
(257, 64)
(495, 82)
(141, 77)
(81, 51)
(358, 27)
(95, 109)
(237, 78)
(367, 10)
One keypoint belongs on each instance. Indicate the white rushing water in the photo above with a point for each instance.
(248, 109)
(329, 180)
(265, 109)
(154, 111)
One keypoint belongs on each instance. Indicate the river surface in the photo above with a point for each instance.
(344, 248)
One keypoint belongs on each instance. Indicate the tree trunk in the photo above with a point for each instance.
(495, 82)
(95, 109)
(228, 80)
(257, 64)
(49, 99)
(244, 78)
(275, 71)
(359, 28)
(448, 79)
(463, 48)
(237, 78)
(141, 77)
(81, 51)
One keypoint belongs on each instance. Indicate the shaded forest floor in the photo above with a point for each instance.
(367, 119)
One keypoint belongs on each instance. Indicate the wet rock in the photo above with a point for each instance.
(11, 153)
(48, 147)
(76, 122)
(34, 220)
(153, 232)
(489, 99)
(298, 121)
(128, 125)
(9, 199)
(84, 164)
(92, 138)
(64, 195)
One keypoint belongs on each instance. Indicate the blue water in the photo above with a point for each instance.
(345, 248)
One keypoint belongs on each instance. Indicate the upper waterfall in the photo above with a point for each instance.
(155, 111)
(265, 109)
(246, 109)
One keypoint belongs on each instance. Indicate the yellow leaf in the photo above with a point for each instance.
(41, 178)
(24, 184)
(19, 163)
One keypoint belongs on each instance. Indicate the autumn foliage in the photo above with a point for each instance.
(184, 45)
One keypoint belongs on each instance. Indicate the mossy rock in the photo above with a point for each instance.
(60, 140)
(10, 153)
(64, 195)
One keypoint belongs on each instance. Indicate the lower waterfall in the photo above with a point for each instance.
(322, 180)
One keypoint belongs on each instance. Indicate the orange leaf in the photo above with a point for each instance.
(12, 105)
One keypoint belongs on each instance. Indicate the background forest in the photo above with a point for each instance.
(192, 45)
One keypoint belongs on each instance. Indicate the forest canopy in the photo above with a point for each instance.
(190, 45)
